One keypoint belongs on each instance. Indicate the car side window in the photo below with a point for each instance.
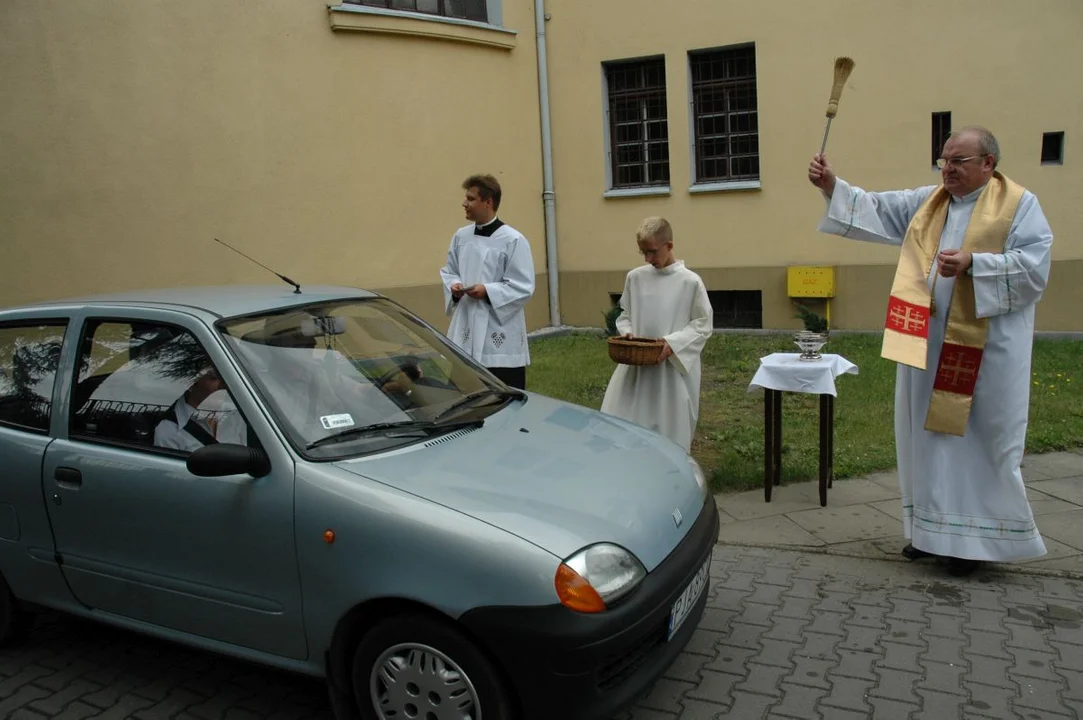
(29, 359)
(151, 385)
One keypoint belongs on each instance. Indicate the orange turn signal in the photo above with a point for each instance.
(576, 593)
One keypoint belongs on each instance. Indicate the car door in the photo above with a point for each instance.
(139, 536)
(30, 351)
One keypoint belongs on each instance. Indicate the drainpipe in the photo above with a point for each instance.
(548, 195)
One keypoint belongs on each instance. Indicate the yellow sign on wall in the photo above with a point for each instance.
(810, 281)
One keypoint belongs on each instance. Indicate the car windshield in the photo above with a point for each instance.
(357, 376)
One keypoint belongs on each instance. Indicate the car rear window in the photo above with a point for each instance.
(29, 359)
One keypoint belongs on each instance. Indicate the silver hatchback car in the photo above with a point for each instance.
(321, 482)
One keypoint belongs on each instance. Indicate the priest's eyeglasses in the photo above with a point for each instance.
(956, 162)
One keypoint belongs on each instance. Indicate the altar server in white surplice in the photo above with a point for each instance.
(662, 299)
(488, 279)
(974, 261)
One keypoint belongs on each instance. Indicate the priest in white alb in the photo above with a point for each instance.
(488, 279)
(974, 260)
(662, 299)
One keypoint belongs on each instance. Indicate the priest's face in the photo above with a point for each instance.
(967, 168)
(658, 254)
(477, 210)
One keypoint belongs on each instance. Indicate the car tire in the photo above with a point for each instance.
(432, 664)
(12, 618)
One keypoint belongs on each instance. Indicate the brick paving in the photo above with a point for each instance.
(787, 634)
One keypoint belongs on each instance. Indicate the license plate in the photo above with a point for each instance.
(683, 605)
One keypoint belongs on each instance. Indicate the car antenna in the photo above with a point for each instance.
(296, 287)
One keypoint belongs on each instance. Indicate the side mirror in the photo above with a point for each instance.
(224, 459)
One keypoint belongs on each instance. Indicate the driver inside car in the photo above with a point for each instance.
(188, 427)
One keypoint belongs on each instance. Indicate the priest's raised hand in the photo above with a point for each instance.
(821, 175)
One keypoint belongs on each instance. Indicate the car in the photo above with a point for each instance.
(320, 481)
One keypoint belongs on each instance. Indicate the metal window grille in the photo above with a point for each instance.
(724, 107)
(941, 130)
(638, 128)
(465, 9)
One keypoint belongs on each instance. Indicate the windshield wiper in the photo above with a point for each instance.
(420, 426)
(475, 396)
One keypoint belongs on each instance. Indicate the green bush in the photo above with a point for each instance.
(611, 316)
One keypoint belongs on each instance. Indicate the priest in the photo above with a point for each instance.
(662, 299)
(488, 279)
(974, 261)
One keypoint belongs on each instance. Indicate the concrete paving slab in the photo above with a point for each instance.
(1071, 564)
(1067, 489)
(774, 530)
(1055, 550)
(1063, 527)
(1055, 465)
(891, 507)
(845, 523)
(887, 480)
(884, 548)
(750, 505)
(1042, 504)
(852, 492)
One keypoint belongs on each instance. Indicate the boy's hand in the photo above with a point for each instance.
(477, 291)
(457, 290)
(666, 352)
(628, 336)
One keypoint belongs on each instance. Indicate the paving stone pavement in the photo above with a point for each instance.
(787, 634)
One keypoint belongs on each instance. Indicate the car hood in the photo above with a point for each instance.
(558, 475)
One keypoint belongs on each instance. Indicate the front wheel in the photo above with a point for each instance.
(12, 620)
(414, 666)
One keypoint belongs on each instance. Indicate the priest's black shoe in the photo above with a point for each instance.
(912, 553)
(961, 567)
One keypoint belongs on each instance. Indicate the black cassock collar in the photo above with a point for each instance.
(488, 230)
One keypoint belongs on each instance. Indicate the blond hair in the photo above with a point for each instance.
(657, 228)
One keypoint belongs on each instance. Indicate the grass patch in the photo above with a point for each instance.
(729, 436)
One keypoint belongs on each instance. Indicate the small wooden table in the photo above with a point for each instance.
(786, 372)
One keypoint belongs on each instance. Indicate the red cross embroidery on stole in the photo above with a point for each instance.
(907, 318)
(957, 371)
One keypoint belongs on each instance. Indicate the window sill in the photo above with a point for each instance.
(358, 18)
(725, 186)
(636, 192)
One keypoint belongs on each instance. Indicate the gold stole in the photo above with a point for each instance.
(906, 329)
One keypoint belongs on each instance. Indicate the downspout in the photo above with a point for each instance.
(552, 267)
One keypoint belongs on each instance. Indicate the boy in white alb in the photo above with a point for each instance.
(662, 299)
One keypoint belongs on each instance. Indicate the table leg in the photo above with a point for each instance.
(827, 445)
(778, 436)
(772, 441)
(768, 441)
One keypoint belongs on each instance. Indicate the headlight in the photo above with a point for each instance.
(596, 576)
(701, 479)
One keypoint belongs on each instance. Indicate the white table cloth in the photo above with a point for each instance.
(787, 372)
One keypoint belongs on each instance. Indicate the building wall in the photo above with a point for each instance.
(134, 133)
(137, 132)
(975, 58)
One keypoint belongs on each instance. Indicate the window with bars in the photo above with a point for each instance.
(638, 128)
(465, 9)
(941, 130)
(724, 114)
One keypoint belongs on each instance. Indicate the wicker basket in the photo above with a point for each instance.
(635, 351)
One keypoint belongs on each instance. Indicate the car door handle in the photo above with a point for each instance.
(68, 478)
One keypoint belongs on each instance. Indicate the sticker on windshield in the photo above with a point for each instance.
(333, 422)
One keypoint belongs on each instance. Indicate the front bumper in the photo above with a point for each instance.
(569, 665)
